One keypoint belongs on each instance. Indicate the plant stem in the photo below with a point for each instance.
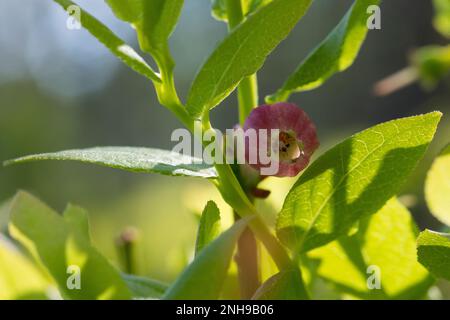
(247, 249)
(247, 97)
(247, 260)
(227, 184)
(248, 88)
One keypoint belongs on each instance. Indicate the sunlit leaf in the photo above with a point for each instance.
(352, 180)
(116, 45)
(437, 187)
(209, 227)
(19, 278)
(384, 243)
(285, 285)
(80, 271)
(243, 52)
(204, 277)
(335, 54)
(433, 250)
(133, 159)
(144, 288)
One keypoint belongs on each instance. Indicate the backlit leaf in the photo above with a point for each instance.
(133, 159)
(433, 250)
(352, 180)
(335, 54)
(243, 52)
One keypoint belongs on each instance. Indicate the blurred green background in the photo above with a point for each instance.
(61, 89)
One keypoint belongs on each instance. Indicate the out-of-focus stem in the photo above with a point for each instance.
(396, 81)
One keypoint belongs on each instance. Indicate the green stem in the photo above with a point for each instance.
(247, 92)
(227, 183)
(247, 97)
(248, 88)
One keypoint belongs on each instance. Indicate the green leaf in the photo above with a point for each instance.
(243, 52)
(133, 159)
(204, 277)
(433, 250)
(385, 240)
(442, 17)
(285, 285)
(335, 54)
(209, 227)
(130, 10)
(437, 187)
(144, 288)
(77, 219)
(116, 45)
(62, 250)
(219, 7)
(159, 20)
(19, 278)
(353, 179)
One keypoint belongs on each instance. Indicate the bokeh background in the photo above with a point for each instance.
(61, 89)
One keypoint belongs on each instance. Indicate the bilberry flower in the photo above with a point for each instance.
(297, 136)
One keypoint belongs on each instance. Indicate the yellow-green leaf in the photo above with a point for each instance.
(80, 271)
(134, 159)
(127, 10)
(209, 226)
(437, 187)
(19, 278)
(335, 54)
(243, 52)
(352, 180)
(204, 277)
(384, 246)
(433, 250)
(116, 45)
(285, 285)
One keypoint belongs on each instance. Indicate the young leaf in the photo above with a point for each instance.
(19, 278)
(383, 247)
(243, 52)
(285, 285)
(129, 10)
(209, 227)
(437, 187)
(131, 159)
(204, 277)
(335, 54)
(116, 45)
(144, 288)
(353, 179)
(80, 271)
(433, 250)
(159, 20)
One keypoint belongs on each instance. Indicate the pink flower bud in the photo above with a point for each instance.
(297, 136)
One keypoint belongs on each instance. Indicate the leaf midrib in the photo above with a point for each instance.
(319, 211)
